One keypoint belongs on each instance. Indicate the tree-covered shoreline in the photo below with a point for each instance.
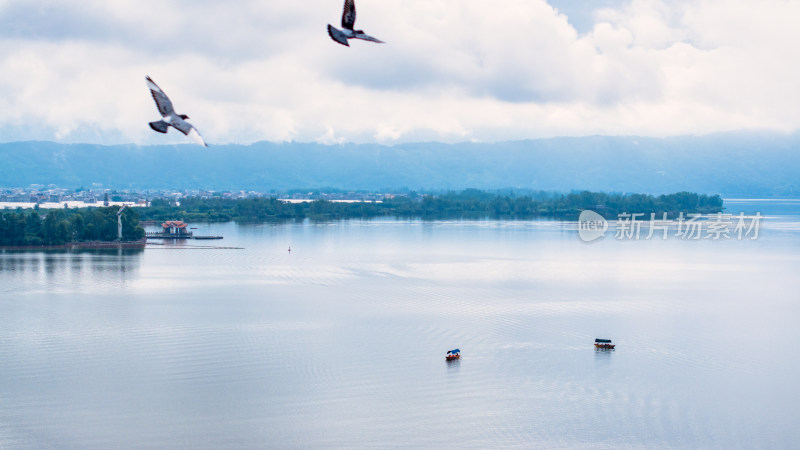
(468, 204)
(55, 227)
(61, 226)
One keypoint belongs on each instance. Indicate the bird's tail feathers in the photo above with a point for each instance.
(160, 126)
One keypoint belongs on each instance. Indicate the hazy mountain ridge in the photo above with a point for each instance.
(736, 164)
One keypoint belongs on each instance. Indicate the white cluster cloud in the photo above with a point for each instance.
(452, 70)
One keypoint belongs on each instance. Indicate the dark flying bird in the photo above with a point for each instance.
(347, 31)
(178, 121)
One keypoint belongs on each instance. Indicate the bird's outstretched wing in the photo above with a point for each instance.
(367, 37)
(162, 101)
(189, 130)
(195, 135)
(337, 35)
(349, 14)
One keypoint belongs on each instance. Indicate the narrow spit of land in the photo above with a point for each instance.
(467, 204)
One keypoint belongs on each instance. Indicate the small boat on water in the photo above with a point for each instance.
(604, 344)
(452, 355)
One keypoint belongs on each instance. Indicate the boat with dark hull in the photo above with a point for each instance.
(604, 344)
(453, 355)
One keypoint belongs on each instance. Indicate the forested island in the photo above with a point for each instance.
(55, 227)
(467, 204)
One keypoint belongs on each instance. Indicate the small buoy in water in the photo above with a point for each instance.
(290, 249)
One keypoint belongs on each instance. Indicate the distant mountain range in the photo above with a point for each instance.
(733, 165)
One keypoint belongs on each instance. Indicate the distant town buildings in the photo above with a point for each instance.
(53, 196)
(50, 196)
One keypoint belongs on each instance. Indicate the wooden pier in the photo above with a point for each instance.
(175, 229)
(156, 235)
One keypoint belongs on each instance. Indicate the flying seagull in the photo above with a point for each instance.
(347, 31)
(178, 121)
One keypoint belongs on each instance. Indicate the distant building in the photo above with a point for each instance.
(175, 228)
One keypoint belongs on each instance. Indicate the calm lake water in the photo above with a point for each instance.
(341, 342)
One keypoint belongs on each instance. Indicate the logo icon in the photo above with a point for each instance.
(591, 226)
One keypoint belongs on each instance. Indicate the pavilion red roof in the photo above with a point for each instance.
(173, 224)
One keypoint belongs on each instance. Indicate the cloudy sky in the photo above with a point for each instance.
(452, 70)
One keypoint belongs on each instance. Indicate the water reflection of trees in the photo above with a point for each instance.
(74, 265)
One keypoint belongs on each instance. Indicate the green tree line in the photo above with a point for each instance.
(62, 226)
(469, 203)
